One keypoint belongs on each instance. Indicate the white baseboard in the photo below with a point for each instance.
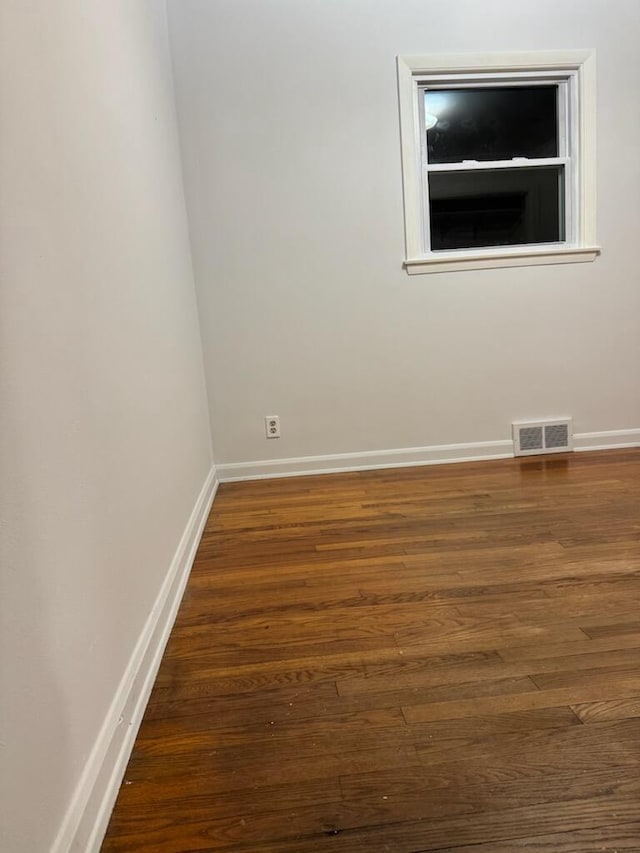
(365, 461)
(408, 456)
(607, 440)
(86, 819)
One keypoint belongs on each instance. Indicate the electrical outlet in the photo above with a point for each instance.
(272, 426)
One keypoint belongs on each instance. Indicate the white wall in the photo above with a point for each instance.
(104, 424)
(289, 122)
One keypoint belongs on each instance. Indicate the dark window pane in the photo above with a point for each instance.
(496, 207)
(491, 123)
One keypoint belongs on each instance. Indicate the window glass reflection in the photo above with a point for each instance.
(491, 123)
(496, 207)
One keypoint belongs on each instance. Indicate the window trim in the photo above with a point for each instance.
(579, 64)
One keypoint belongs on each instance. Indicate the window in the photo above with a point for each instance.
(498, 159)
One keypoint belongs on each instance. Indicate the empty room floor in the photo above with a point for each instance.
(442, 658)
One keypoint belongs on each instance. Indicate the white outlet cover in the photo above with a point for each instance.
(272, 426)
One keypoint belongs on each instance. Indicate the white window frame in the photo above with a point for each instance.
(574, 73)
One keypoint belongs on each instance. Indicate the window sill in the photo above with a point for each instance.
(511, 257)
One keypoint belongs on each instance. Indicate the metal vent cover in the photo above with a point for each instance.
(533, 437)
(556, 435)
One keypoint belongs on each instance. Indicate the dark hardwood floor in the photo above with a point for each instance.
(443, 658)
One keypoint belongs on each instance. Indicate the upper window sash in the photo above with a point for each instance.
(574, 74)
(551, 105)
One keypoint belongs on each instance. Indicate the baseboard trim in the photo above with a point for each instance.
(606, 440)
(366, 461)
(408, 456)
(87, 817)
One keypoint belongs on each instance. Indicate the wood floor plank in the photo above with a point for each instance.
(239, 769)
(583, 644)
(614, 629)
(522, 754)
(140, 814)
(613, 838)
(621, 688)
(425, 672)
(402, 661)
(608, 709)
